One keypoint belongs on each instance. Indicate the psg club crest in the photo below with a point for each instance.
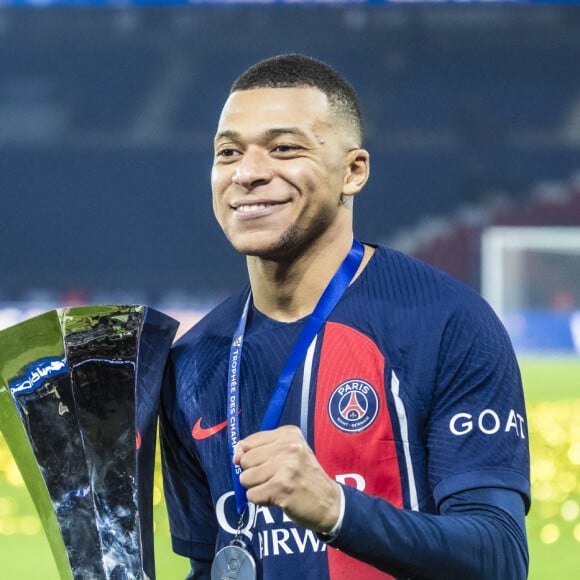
(353, 406)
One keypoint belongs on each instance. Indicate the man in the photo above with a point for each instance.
(354, 413)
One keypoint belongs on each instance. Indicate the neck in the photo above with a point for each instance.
(289, 291)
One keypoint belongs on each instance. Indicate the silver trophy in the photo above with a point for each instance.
(79, 396)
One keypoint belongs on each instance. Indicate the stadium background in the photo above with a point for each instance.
(107, 114)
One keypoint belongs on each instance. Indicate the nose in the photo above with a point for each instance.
(254, 168)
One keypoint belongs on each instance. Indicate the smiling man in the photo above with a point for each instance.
(287, 164)
(309, 423)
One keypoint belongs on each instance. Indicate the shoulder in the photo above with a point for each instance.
(428, 311)
(413, 282)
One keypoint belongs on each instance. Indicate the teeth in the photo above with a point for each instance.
(250, 208)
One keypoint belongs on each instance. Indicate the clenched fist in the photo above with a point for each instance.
(280, 469)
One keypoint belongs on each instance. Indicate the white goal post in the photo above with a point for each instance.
(531, 275)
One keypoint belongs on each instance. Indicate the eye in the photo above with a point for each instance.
(285, 148)
(226, 152)
(225, 155)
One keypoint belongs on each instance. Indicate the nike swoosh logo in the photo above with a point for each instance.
(198, 432)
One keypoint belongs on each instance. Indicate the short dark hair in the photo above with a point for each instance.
(297, 70)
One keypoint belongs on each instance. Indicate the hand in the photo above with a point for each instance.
(280, 469)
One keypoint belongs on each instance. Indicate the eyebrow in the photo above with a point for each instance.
(234, 135)
(270, 133)
(285, 131)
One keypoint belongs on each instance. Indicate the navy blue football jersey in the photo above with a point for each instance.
(410, 393)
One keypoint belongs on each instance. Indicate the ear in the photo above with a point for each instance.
(357, 168)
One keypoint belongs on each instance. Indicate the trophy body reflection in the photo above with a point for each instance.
(78, 409)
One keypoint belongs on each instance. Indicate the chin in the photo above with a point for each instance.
(256, 250)
(255, 244)
(270, 245)
(264, 250)
(250, 247)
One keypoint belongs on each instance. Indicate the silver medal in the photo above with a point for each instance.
(234, 562)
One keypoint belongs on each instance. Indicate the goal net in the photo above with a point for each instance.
(531, 277)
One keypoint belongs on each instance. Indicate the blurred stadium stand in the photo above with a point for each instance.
(453, 243)
(107, 118)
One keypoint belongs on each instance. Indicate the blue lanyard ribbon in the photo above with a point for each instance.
(329, 299)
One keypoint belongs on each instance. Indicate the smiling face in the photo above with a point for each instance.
(284, 164)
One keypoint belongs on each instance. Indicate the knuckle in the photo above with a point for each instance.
(293, 431)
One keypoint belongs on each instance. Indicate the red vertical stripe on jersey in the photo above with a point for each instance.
(367, 458)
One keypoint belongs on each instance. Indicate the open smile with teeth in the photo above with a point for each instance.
(254, 207)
